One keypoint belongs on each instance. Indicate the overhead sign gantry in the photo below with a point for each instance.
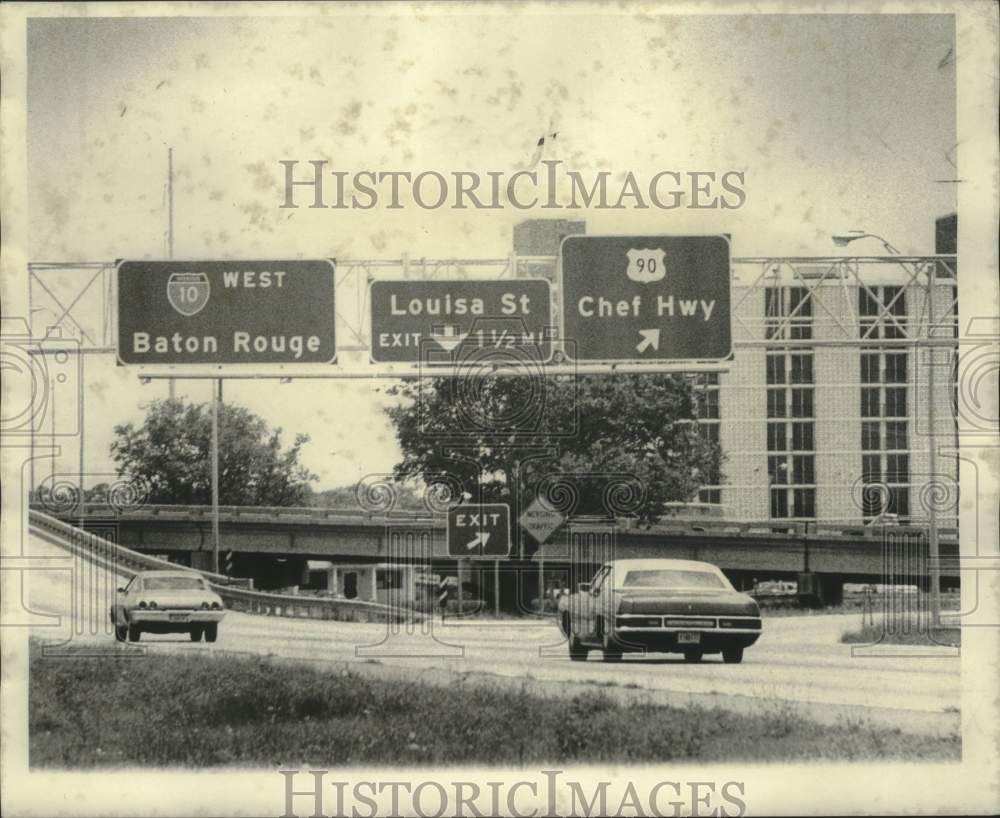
(627, 303)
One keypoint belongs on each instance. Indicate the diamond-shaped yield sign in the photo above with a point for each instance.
(479, 531)
(540, 521)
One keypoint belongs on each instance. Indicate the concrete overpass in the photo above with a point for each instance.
(272, 545)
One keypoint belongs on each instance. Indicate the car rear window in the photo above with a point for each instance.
(173, 584)
(672, 578)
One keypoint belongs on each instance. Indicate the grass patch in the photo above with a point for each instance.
(903, 631)
(170, 710)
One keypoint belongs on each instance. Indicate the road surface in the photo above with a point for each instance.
(798, 662)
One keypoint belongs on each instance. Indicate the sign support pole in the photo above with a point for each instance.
(216, 389)
(935, 553)
(83, 428)
(496, 588)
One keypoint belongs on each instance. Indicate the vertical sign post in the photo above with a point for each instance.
(216, 385)
(933, 546)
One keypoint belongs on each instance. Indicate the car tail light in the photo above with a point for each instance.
(217, 606)
(637, 622)
(152, 604)
(748, 622)
(143, 604)
(690, 623)
(204, 604)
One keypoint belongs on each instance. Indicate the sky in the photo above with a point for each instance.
(838, 122)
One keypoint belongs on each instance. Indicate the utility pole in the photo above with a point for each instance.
(171, 388)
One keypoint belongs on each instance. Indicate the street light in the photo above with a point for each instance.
(843, 239)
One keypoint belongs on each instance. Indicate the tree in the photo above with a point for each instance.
(170, 455)
(407, 498)
(599, 428)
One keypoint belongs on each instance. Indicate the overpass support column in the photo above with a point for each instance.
(831, 589)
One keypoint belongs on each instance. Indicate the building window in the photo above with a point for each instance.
(870, 403)
(870, 367)
(897, 468)
(895, 402)
(870, 435)
(788, 313)
(805, 502)
(802, 368)
(885, 460)
(882, 312)
(895, 367)
(779, 503)
(776, 403)
(802, 437)
(791, 463)
(802, 403)
(776, 437)
(775, 369)
(895, 435)
(803, 469)
(871, 468)
(707, 407)
(777, 470)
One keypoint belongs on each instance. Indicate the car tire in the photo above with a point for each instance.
(577, 651)
(121, 633)
(611, 651)
(196, 634)
(693, 655)
(211, 632)
(134, 633)
(732, 656)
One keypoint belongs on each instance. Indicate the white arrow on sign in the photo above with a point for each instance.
(480, 539)
(650, 338)
(449, 339)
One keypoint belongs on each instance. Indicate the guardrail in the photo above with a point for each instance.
(666, 525)
(125, 561)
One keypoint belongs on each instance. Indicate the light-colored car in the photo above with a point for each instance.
(659, 605)
(167, 602)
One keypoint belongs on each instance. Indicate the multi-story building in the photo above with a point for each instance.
(824, 413)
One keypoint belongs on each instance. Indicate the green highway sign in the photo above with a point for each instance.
(226, 312)
(642, 299)
(443, 322)
(479, 531)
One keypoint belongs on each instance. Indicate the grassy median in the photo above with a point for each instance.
(171, 710)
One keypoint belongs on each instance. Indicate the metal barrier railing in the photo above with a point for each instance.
(127, 562)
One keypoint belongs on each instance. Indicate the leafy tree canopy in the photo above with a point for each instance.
(170, 454)
(597, 429)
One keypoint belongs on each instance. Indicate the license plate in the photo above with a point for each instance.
(178, 617)
(688, 638)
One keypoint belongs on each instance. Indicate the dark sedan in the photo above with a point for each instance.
(659, 605)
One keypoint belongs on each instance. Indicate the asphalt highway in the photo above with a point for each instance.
(798, 662)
